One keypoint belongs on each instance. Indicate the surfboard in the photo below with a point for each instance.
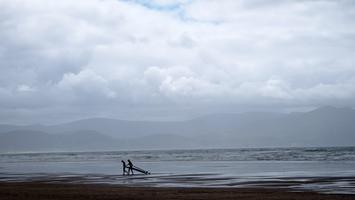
(140, 170)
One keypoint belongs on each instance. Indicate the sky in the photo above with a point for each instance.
(172, 59)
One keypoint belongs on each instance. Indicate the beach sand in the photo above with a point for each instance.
(49, 191)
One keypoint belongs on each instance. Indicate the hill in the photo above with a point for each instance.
(325, 126)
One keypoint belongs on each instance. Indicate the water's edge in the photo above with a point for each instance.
(326, 170)
(327, 185)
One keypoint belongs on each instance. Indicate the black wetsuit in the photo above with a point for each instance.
(124, 167)
(130, 167)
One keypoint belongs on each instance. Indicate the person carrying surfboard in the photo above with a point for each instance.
(130, 167)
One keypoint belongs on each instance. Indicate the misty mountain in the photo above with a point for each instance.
(325, 126)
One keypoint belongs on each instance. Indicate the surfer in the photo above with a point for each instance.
(124, 167)
(130, 167)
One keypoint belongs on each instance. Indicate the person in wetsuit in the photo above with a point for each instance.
(124, 167)
(130, 167)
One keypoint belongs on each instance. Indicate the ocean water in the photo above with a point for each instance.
(328, 170)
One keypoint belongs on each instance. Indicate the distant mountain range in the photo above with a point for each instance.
(325, 126)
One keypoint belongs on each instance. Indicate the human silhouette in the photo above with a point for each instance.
(130, 167)
(124, 167)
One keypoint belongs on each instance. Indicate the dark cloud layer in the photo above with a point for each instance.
(62, 60)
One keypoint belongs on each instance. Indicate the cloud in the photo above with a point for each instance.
(181, 84)
(108, 56)
(25, 88)
(85, 83)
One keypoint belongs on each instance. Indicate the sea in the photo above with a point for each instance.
(321, 169)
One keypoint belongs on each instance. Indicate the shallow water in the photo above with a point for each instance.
(329, 170)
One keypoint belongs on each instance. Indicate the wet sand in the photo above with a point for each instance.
(51, 191)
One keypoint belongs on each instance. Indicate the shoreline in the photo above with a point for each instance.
(318, 184)
(57, 191)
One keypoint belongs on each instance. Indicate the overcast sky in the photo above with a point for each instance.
(173, 59)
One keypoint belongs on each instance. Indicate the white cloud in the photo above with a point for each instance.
(86, 82)
(176, 53)
(25, 88)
